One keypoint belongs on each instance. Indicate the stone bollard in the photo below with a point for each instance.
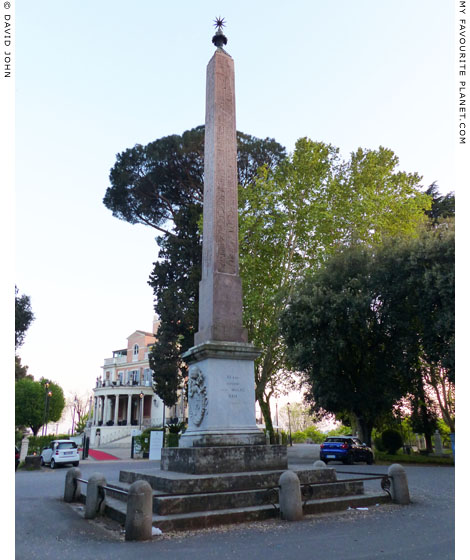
(290, 498)
(319, 465)
(139, 511)
(399, 488)
(94, 496)
(72, 486)
(24, 448)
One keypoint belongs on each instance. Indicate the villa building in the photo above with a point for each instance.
(123, 396)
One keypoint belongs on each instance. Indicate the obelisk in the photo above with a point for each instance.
(220, 291)
(222, 434)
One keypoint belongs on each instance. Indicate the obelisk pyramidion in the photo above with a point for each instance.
(221, 395)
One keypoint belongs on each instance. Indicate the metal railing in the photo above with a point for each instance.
(385, 481)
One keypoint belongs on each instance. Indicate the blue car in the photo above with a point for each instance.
(347, 449)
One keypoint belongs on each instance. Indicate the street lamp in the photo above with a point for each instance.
(140, 415)
(290, 432)
(48, 396)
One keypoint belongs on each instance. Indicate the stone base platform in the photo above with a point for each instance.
(216, 460)
(184, 501)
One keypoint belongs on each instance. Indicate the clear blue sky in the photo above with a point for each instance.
(94, 78)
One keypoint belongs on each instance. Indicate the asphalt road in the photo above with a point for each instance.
(46, 527)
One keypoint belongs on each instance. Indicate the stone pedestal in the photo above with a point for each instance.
(220, 460)
(221, 396)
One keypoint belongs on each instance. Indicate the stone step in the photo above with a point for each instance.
(179, 483)
(174, 504)
(202, 520)
(164, 504)
(340, 503)
(116, 509)
(171, 505)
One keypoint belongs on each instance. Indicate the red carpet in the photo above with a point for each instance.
(101, 455)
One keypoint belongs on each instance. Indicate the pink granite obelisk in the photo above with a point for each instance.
(220, 290)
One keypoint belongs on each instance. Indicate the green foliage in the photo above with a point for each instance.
(294, 212)
(311, 433)
(21, 371)
(369, 324)
(413, 459)
(30, 403)
(37, 443)
(161, 185)
(143, 440)
(340, 431)
(336, 335)
(391, 441)
(176, 427)
(24, 316)
(296, 215)
(443, 206)
(81, 424)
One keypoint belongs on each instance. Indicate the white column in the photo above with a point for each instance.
(105, 410)
(129, 403)
(116, 409)
(95, 411)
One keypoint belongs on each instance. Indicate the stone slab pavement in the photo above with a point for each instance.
(46, 525)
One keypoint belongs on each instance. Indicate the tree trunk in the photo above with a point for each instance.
(364, 429)
(266, 411)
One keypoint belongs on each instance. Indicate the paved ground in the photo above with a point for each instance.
(425, 529)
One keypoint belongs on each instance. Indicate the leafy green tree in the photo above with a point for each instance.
(24, 316)
(295, 215)
(161, 185)
(81, 423)
(336, 335)
(443, 206)
(372, 322)
(420, 274)
(30, 403)
(21, 371)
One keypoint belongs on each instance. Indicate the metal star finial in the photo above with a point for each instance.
(219, 39)
(219, 23)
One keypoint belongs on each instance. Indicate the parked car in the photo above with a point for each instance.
(17, 457)
(347, 449)
(60, 452)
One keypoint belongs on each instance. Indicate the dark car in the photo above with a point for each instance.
(17, 457)
(348, 449)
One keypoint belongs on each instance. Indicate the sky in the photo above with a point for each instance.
(93, 78)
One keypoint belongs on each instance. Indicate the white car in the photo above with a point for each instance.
(59, 452)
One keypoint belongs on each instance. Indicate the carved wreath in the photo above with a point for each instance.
(197, 395)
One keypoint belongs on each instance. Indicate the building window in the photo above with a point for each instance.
(136, 352)
(148, 377)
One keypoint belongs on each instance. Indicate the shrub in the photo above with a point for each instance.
(144, 439)
(391, 441)
(37, 443)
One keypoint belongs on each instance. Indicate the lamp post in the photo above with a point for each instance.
(48, 396)
(290, 432)
(140, 413)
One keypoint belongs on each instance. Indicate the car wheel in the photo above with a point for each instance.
(42, 462)
(370, 460)
(75, 464)
(325, 461)
(52, 464)
(349, 459)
